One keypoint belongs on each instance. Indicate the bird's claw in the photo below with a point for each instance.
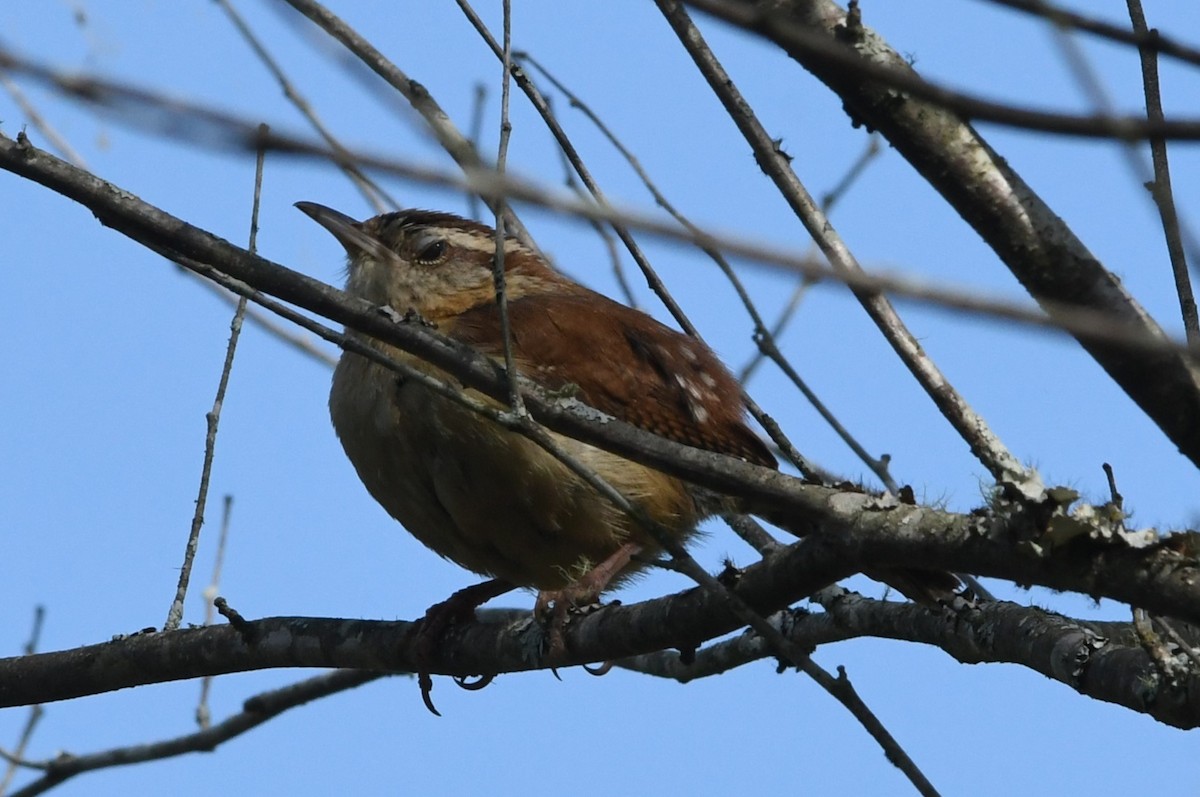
(473, 686)
(601, 669)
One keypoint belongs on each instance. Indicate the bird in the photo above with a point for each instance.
(486, 497)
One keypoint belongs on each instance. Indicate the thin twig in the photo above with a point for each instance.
(610, 242)
(845, 693)
(1160, 187)
(1114, 495)
(1164, 662)
(457, 145)
(878, 465)
(213, 419)
(828, 201)
(374, 194)
(16, 758)
(871, 151)
(35, 632)
(746, 372)
(475, 135)
(297, 341)
(203, 715)
(1186, 647)
(539, 103)
(258, 709)
(1158, 184)
(752, 532)
(498, 258)
(1153, 42)
(39, 122)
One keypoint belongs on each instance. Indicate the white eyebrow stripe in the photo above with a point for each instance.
(476, 242)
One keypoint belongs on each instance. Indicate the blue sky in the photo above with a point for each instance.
(113, 357)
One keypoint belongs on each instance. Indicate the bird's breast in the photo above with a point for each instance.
(487, 498)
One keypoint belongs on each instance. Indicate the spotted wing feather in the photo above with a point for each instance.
(625, 364)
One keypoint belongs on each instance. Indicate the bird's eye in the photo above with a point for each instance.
(429, 248)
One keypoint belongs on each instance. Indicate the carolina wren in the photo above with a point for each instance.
(487, 498)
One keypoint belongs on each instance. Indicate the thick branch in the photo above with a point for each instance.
(501, 642)
(1099, 660)
(1103, 661)
(774, 18)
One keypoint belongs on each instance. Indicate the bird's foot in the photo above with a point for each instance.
(458, 608)
(553, 607)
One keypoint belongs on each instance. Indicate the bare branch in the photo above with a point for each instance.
(257, 710)
(1160, 188)
(40, 123)
(448, 136)
(1149, 41)
(1103, 661)
(1100, 660)
(213, 420)
(376, 196)
(16, 758)
(305, 345)
(785, 24)
(510, 363)
(203, 715)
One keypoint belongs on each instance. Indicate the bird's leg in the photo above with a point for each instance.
(553, 605)
(458, 608)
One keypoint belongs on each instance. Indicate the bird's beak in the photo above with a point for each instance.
(348, 232)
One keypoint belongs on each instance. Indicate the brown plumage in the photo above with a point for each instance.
(487, 498)
(609, 357)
